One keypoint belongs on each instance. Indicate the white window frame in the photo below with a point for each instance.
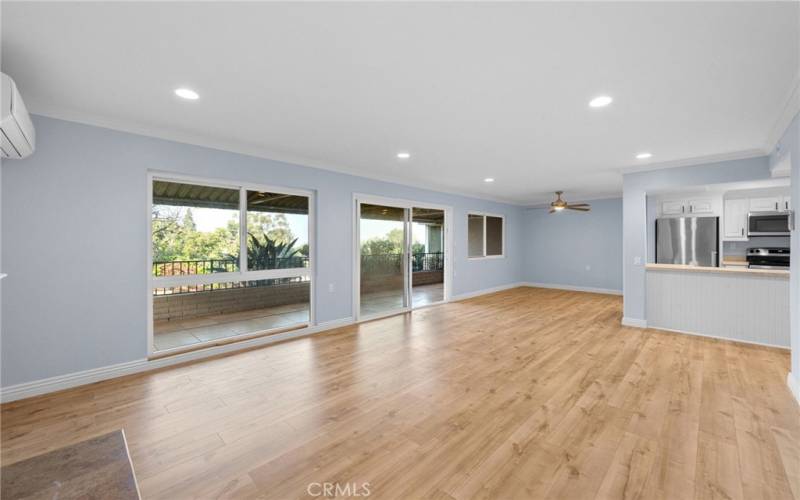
(502, 242)
(243, 274)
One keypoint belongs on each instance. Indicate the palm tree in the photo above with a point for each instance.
(266, 253)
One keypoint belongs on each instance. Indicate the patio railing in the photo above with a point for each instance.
(184, 267)
(391, 263)
(433, 261)
(427, 262)
(378, 265)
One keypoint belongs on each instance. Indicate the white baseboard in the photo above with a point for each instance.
(794, 386)
(485, 291)
(70, 380)
(608, 291)
(61, 382)
(634, 322)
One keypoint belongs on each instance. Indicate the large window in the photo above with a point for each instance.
(226, 262)
(485, 235)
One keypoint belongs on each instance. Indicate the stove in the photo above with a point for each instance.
(768, 258)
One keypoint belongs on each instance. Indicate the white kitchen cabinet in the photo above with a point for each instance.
(769, 204)
(673, 207)
(701, 206)
(734, 219)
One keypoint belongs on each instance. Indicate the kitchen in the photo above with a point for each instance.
(718, 261)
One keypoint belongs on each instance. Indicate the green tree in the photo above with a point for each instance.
(275, 226)
(176, 237)
(390, 243)
(188, 221)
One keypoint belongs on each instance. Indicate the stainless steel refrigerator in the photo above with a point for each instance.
(693, 241)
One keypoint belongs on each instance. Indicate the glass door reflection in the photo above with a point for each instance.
(384, 238)
(427, 256)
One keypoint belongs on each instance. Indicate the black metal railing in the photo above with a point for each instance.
(210, 266)
(377, 265)
(391, 263)
(210, 287)
(184, 267)
(427, 262)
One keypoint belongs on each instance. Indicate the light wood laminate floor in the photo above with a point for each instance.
(528, 393)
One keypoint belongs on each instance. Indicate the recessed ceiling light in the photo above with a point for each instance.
(488, 179)
(600, 101)
(404, 156)
(643, 156)
(187, 94)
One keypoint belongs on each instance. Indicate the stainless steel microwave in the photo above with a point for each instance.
(770, 223)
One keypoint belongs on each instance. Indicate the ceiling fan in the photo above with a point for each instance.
(560, 205)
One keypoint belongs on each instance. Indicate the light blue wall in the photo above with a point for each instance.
(634, 213)
(75, 220)
(790, 144)
(559, 247)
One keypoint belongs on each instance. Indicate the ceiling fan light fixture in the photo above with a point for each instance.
(558, 205)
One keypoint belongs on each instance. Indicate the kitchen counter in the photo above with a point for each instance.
(735, 270)
(735, 260)
(734, 303)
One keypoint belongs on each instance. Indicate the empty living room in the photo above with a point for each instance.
(399, 250)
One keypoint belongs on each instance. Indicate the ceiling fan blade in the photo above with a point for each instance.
(579, 205)
(580, 209)
(551, 211)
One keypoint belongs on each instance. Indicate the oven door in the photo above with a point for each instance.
(768, 262)
(768, 224)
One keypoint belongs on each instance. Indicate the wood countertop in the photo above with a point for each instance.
(734, 260)
(725, 270)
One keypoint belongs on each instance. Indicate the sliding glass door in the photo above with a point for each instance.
(383, 232)
(401, 257)
(427, 256)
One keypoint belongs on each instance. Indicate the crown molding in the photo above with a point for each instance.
(253, 150)
(790, 109)
(697, 160)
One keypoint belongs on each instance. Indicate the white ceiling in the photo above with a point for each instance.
(472, 90)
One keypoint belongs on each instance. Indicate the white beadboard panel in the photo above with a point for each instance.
(743, 307)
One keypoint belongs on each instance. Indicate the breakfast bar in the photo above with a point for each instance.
(733, 303)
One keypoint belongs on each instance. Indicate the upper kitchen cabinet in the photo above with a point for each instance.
(673, 207)
(771, 204)
(768, 204)
(701, 206)
(735, 219)
(687, 207)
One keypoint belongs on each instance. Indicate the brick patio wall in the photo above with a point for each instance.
(195, 305)
(395, 282)
(427, 277)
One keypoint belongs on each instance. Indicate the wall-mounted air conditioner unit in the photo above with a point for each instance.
(783, 167)
(17, 137)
